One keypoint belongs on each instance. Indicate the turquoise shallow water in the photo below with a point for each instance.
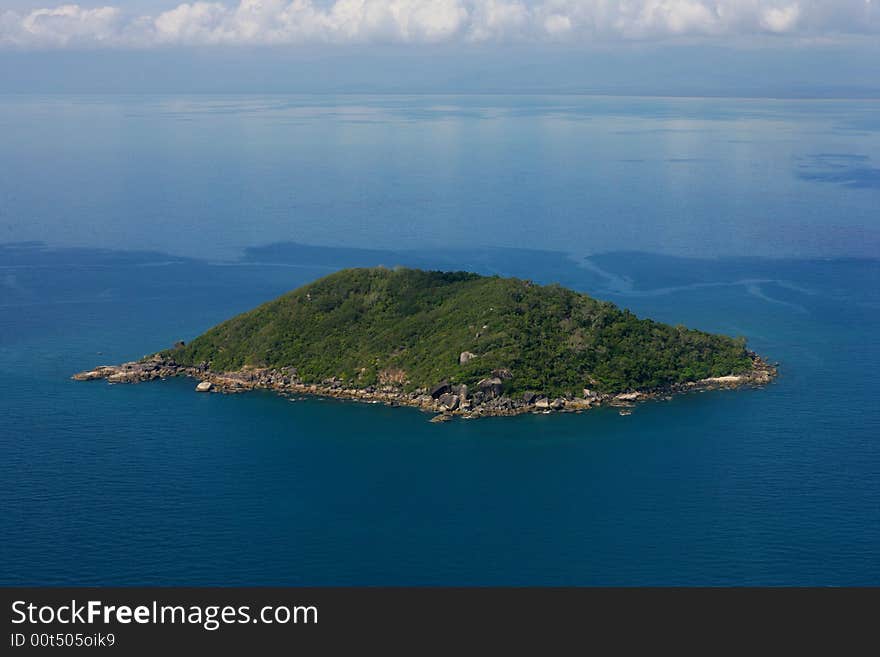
(657, 205)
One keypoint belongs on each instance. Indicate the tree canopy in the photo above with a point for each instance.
(372, 326)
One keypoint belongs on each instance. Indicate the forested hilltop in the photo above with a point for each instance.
(415, 329)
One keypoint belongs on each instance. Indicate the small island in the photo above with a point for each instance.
(452, 343)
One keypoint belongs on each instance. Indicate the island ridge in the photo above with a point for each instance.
(455, 343)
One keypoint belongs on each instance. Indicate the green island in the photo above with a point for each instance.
(455, 343)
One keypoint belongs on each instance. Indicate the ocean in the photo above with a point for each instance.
(130, 222)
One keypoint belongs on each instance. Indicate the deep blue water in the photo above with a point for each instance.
(164, 216)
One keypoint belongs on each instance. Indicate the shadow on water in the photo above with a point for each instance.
(34, 273)
(846, 169)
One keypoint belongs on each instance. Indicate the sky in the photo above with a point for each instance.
(676, 47)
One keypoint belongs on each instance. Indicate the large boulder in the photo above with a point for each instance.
(125, 376)
(491, 386)
(90, 375)
(440, 389)
(204, 386)
(465, 357)
(449, 401)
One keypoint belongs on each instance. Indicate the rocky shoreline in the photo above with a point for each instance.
(446, 400)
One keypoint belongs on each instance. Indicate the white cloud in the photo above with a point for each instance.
(780, 20)
(557, 24)
(498, 20)
(61, 26)
(259, 22)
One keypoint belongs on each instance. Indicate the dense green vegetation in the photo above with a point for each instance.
(365, 326)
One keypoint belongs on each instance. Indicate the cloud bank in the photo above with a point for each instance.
(340, 22)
